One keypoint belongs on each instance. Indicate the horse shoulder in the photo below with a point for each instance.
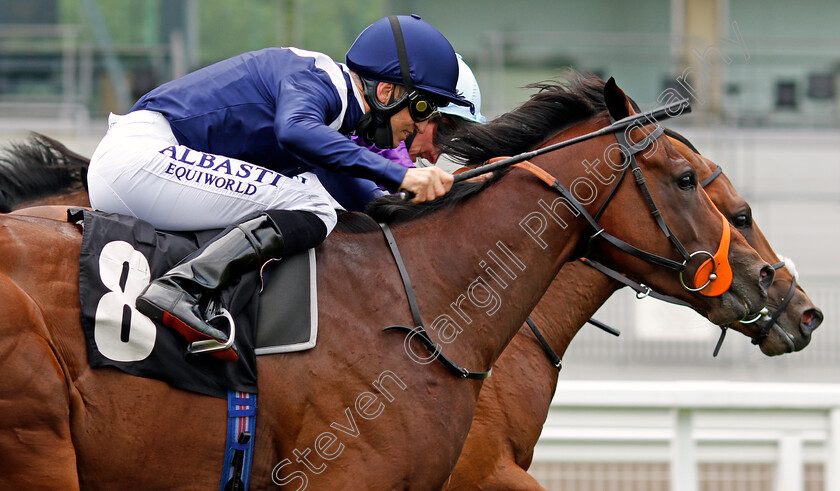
(34, 398)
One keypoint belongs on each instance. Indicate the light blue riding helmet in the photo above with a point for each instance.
(468, 87)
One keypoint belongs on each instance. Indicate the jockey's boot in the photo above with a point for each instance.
(175, 299)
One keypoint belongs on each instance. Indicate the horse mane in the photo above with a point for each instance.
(38, 167)
(352, 222)
(393, 209)
(556, 106)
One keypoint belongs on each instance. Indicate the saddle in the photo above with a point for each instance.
(274, 310)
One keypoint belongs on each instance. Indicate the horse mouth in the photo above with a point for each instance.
(779, 344)
(747, 312)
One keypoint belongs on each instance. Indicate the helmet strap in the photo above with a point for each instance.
(410, 139)
(401, 53)
(375, 126)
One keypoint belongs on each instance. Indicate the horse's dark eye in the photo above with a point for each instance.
(742, 220)
(687, 181)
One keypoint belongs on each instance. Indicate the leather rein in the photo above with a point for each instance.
(643, 291)
(628, 150)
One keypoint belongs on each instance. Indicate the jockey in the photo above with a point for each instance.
(354, 194)
(222, 145)
(452, 117)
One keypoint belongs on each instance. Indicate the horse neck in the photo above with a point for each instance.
(477, 272)
(574, 296)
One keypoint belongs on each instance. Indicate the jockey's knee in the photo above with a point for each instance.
(300, 229)
(320, 205)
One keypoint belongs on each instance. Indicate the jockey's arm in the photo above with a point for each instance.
(299, 125)
(352, 193)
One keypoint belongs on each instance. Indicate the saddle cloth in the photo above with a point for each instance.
(275, 310)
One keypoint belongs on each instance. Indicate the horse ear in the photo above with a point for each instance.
(617, 103)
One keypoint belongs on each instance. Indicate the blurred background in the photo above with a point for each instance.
(651, 409)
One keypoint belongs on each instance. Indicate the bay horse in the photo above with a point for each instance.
(41, 172)
(361, 410)
(514, 403)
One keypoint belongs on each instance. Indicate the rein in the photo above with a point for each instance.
(718, 260)
(555, 184)
(668, 111)
(628, 150)
(643, 291)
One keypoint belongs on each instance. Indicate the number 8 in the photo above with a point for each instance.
(121, 332)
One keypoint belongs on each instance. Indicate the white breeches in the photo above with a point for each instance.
(139, 169)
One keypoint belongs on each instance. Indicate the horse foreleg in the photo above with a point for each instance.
(511, 477)
(506, 475)
(35, 443)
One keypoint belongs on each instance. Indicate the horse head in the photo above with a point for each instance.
(791, 316)
(679, 239)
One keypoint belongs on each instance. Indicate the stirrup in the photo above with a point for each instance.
(211, 345)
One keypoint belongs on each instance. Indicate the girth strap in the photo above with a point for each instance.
(419, 331)
(239, 447)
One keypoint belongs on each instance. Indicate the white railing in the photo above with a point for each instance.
(692, 425)
(657, 336)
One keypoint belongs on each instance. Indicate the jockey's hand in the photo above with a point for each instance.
(427, 183)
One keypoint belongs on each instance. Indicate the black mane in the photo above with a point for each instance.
(555, 106)
(392, 209)
(352, 222)
(38, 168)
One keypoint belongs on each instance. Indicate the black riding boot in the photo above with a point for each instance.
(174, 298)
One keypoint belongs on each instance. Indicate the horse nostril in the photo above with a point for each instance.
(810, 320)
(766, 277)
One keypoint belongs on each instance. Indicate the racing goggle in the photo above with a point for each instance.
(420, 107)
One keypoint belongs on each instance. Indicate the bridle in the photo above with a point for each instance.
(643, 291)
(764, 315)
(629, 150)
(769, 319)
(711, 266)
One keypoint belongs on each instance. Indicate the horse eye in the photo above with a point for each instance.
(687, 181)
(743, 220)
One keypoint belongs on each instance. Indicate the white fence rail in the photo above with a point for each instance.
(707, 435)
